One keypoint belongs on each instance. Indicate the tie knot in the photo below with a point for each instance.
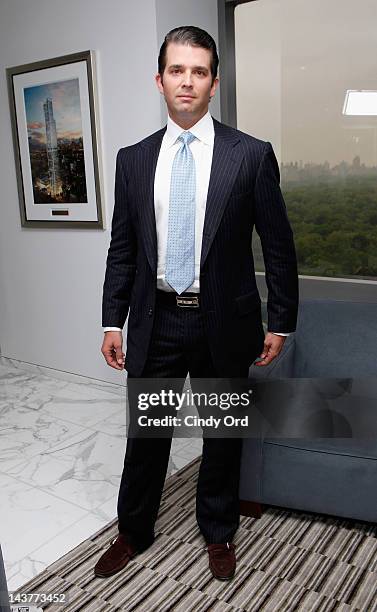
(186, 137)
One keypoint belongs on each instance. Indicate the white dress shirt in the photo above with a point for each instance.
(202, 151)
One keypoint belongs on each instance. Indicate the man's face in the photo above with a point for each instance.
(187, 82)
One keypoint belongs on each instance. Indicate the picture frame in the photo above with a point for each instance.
(54, 127)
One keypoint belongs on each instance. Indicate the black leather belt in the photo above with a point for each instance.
(185, 300)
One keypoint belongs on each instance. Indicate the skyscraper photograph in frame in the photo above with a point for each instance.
(56, 148)
(52, 106)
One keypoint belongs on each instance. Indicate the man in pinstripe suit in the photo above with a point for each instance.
(213, 327)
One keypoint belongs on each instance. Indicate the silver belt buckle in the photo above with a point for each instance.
(187, 302)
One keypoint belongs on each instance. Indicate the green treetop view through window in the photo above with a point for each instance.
(333, 213)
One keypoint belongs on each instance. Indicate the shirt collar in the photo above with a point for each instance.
(203, 130)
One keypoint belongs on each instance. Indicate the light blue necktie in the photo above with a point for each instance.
(180, 253)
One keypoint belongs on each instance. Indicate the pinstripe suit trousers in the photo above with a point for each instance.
(178, 347)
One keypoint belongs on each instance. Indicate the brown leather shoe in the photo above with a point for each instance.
(116, 557)
(222, 560)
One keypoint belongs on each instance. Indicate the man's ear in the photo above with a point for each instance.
(158, 79)
(214, 87)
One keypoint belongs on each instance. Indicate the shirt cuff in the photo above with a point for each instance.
(105, 329)
(280, 333)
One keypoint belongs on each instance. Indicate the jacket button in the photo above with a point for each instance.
(150, 312)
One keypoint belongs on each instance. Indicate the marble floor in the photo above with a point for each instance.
(62, 445)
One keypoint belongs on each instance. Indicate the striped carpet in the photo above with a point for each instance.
(286, 561)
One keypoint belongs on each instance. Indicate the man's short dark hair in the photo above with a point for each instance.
(189, 35)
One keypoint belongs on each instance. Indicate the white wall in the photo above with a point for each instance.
(51, 279)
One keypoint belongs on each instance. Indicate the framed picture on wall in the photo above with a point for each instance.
(53, 115)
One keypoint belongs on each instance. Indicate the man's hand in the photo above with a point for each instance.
(112, 349)
(272, 347)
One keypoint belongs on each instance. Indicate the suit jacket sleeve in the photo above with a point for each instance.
(272, 225)
(121, 257)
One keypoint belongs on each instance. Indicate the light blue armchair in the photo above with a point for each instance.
(318, 448)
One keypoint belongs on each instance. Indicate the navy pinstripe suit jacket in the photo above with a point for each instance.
(243, 192)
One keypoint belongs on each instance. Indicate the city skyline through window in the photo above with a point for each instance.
(293, 70)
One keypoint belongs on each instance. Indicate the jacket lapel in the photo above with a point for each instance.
(149, 156)
(226, 161)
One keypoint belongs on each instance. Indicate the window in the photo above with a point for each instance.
(295, 63)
